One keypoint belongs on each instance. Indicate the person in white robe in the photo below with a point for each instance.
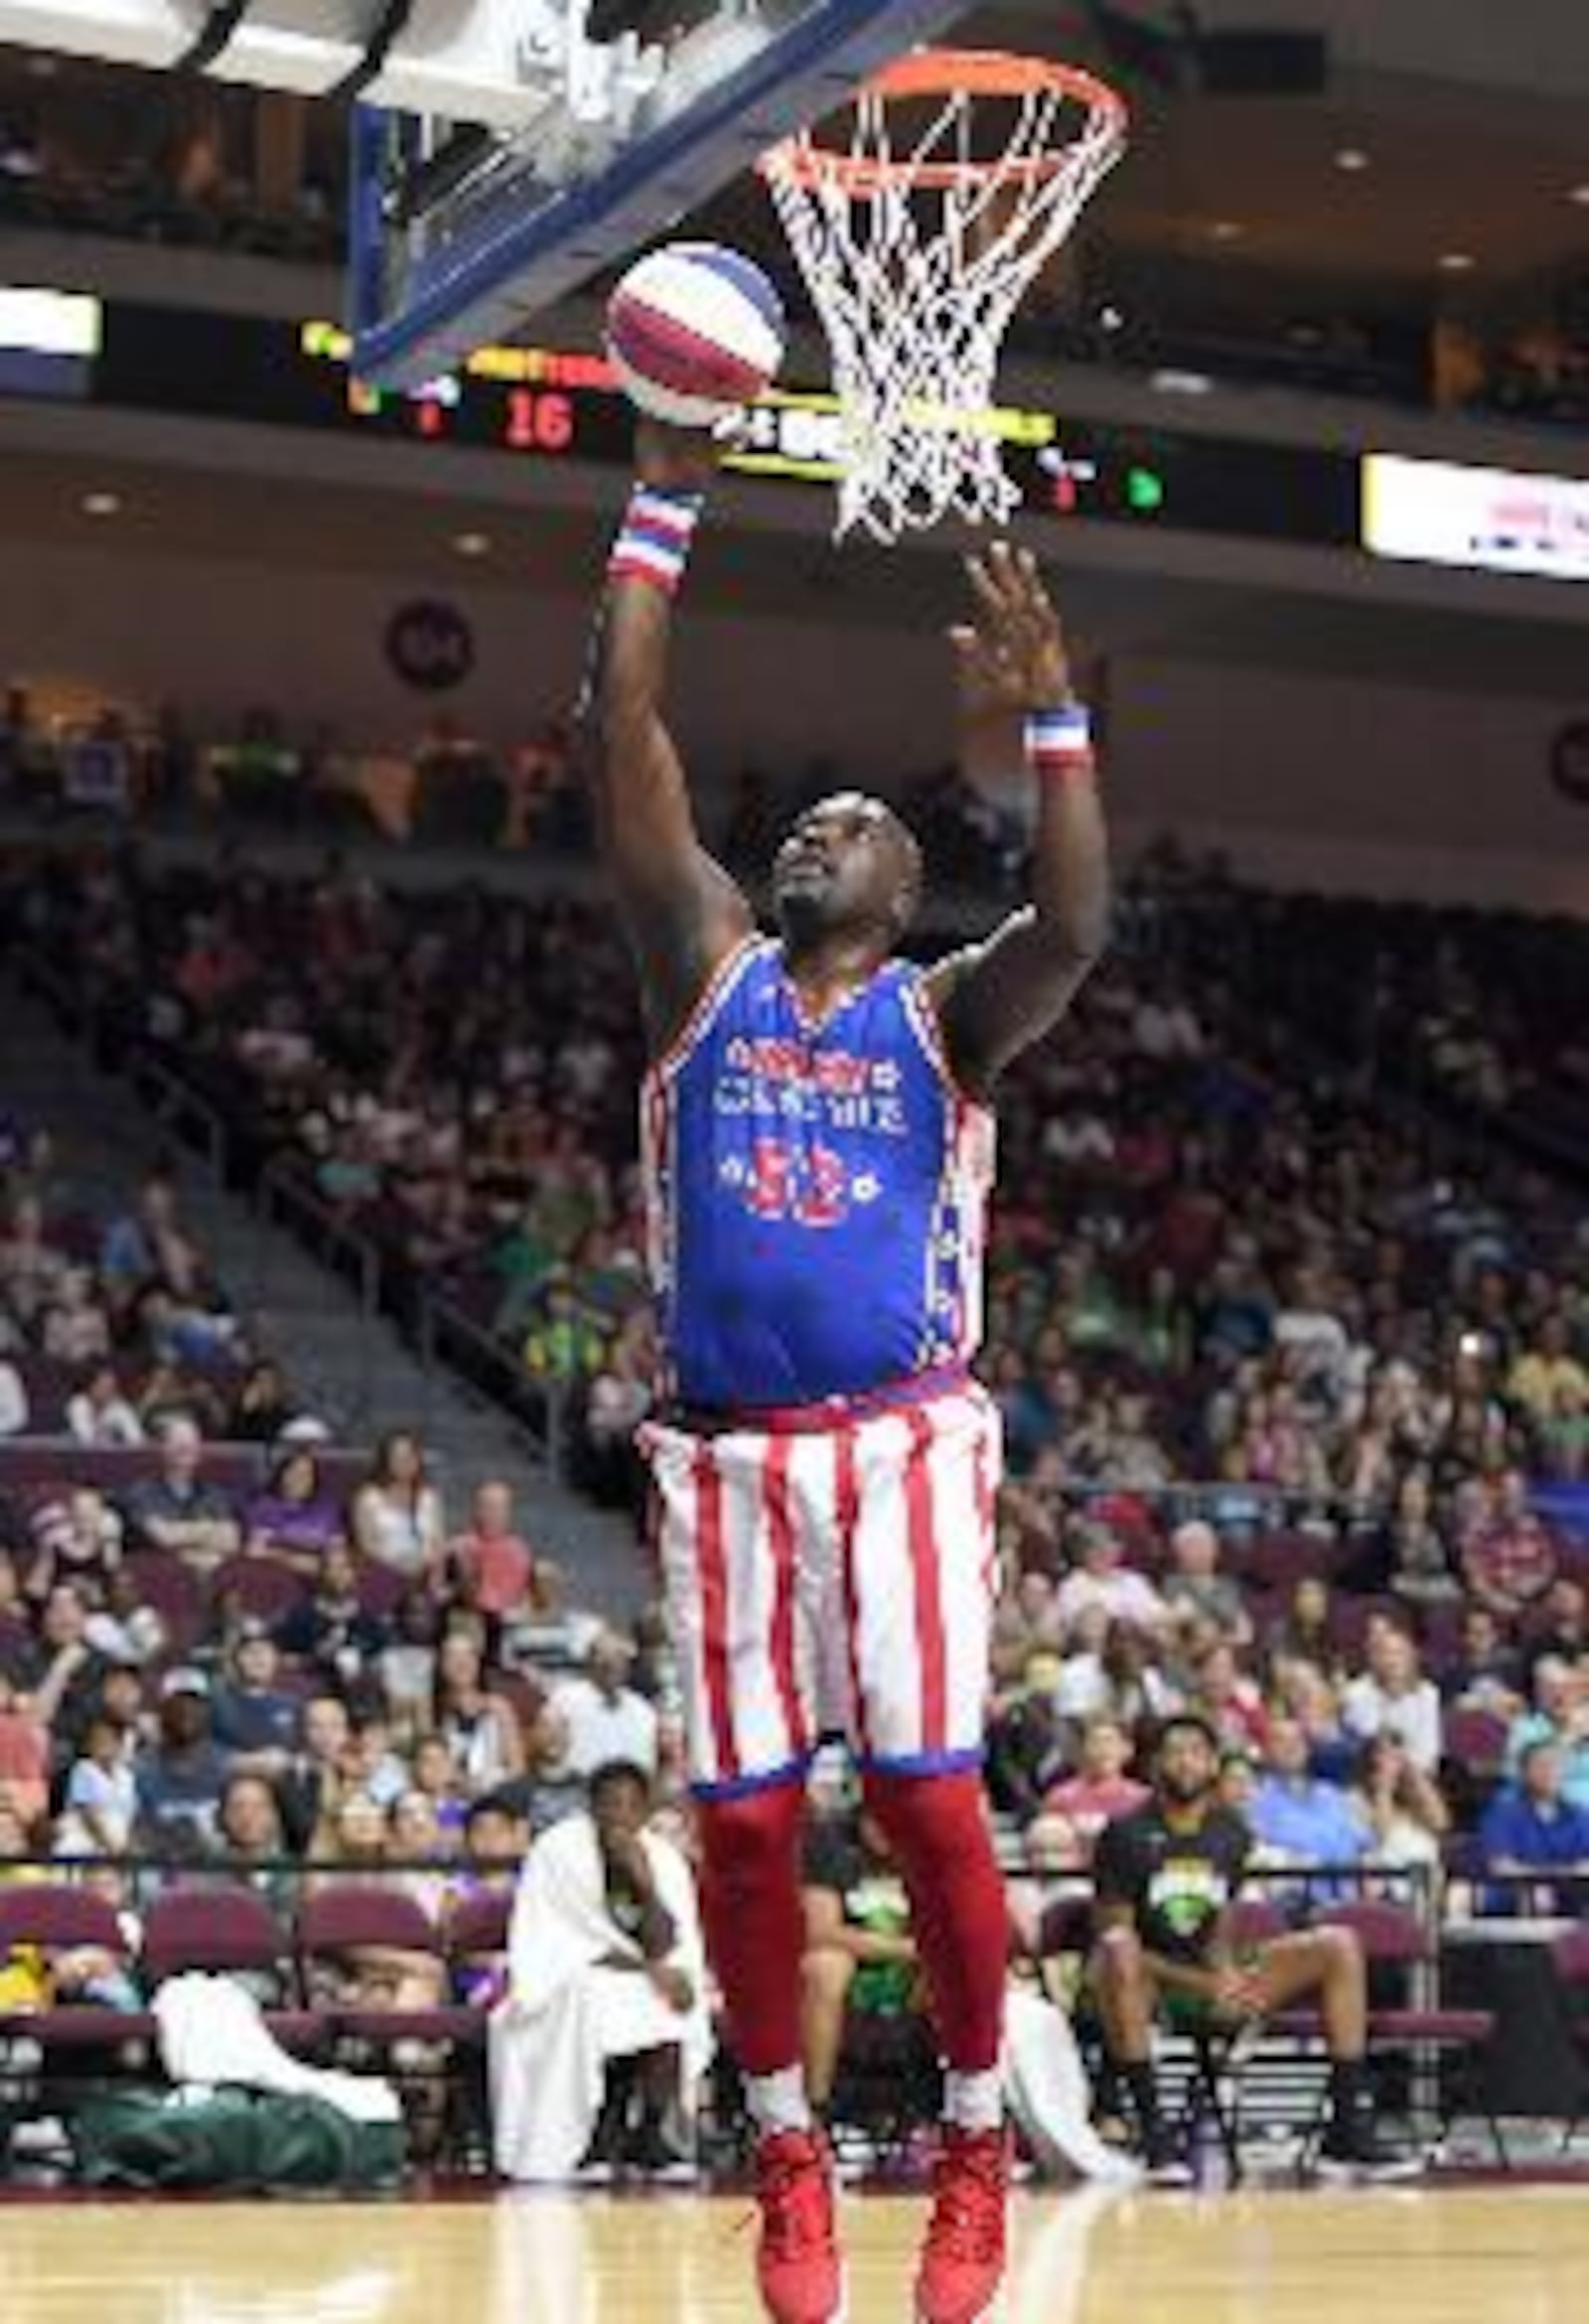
(606, 1963)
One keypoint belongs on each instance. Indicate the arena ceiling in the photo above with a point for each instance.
(1447, 129)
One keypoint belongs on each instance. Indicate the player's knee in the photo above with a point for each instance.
(826, 1976)
(1118, 1960)
(1340, 1952)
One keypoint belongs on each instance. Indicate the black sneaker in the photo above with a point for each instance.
(1165, 2160)
(1352, 2150)
(654, 2157)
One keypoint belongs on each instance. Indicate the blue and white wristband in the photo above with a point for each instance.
(653, 541)
(1058, 743)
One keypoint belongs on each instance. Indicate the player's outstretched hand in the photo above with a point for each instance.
(1012, 654)
(680, 460)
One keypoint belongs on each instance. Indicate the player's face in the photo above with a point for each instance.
(847, 862)
(1187, 1765)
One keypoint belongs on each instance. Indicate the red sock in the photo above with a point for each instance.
(755, 1929)
(938, 1829)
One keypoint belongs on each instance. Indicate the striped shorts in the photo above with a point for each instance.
(831, 1578)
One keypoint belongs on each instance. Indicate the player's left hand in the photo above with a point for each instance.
(1012, 654)
(1241, 1991)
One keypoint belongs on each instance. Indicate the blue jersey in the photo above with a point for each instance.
(817, 1193)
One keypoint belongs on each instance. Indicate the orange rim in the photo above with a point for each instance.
(924, 73)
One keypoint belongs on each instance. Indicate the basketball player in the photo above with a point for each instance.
(817, 1144)
(1167, 1875)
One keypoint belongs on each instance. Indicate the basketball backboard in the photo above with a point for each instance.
(461, 233)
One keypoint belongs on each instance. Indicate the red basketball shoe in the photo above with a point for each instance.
(962, 2259)
(798, 2266)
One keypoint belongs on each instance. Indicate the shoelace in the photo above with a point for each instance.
(793, 2197)
(969, 2210)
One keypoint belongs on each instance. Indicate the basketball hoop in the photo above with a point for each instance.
(965, 170)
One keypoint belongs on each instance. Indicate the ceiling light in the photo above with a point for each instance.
(1110, 319)
(1226, 230)
(1351, 158)
(101, 503)
(1580, 195)
(472, 545)
(1455, 262)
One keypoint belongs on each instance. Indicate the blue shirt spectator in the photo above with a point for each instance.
(1294, 1812)
(1532, 1825)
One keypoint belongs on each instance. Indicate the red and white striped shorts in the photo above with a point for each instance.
(836, 1579)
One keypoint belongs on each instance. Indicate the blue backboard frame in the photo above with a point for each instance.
(519, 259)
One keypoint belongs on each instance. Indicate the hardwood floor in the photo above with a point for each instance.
(1449, 2257)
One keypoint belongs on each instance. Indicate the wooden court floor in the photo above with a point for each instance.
(1491, 2255)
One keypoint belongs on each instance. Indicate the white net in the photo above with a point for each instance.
(917, 249)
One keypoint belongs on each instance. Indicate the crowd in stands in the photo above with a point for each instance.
(1293, 1369)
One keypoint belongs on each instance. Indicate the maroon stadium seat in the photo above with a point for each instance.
(59, 1919)
(228, 1930)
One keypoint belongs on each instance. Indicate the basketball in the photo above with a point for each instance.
(693, 332)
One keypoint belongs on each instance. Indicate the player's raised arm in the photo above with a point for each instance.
(997, 997)
(683, 912)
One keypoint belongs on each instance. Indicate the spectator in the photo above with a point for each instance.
(1104, 1579)
(1560, 1716)
(100, 1413)
(1074, 1811)
(1230, 1700)
(75, 1329)
(1530, 1826)
(438, 1779)
(370, 1764)
(550, 1787)
(1545, 1368)
(182, 1773)
(406, 1663)
(71, 1673)
(1417, 1561)
(254, 1718)
(312, 1787)
(1508, 1560)
(1399, 1807)
(24, 1754)
(126, 1629)
(330, 1629)
(1485, 1673)
(479, 1728)
(397, 1513)
(606, 1963)
(1301, 1817)
(1197, 1591)
(495, 1843)
(79, 1537)
(250, 1839)
(495, 1565)
(178, 1510)
(1563, 1627)
(1392, 1696)
(604, 1718)
(294, 1518)
(262, 1409)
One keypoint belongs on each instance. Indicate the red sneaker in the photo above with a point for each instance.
(962, 2259)
(797, 2264)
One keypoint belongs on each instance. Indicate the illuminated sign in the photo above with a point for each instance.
(543, 404)
(1491, 520)
(48, 341)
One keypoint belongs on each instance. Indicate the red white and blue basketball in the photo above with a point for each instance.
(693, 332)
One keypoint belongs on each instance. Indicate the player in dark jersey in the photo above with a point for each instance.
(818, 1143)
(1167, 1875)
